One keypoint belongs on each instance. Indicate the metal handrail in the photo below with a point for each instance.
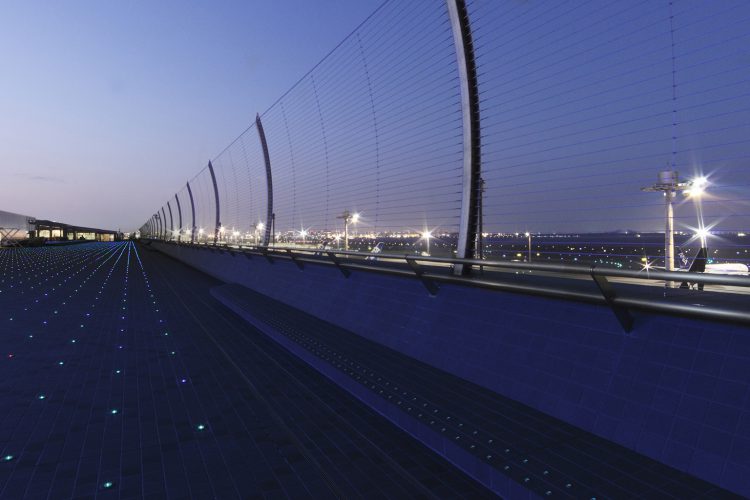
(713, 279)
(605, 295)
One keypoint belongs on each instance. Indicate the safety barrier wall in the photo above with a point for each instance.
(674, 389)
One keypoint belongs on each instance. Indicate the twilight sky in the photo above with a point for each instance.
(107, 107)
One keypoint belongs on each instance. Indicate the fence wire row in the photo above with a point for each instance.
(581, 105)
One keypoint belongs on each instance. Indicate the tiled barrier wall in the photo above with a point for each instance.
(675, 389)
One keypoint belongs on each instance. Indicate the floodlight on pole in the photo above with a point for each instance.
(528, 235)
(427, 236)
(349, 218)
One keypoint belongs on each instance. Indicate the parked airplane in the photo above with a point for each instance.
(375, 250)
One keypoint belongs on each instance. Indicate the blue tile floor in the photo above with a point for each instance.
(535, 451)
(122, 377)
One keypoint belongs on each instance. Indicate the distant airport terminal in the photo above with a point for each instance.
(18, 229)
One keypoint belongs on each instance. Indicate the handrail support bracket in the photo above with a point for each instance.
(337, 262)
(608, 292)
(430, 285)
(299, 264)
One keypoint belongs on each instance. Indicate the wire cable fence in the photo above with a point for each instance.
(610, 132)
(583, 103)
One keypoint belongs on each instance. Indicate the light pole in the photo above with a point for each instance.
(668, 183)
(348, 219)
(427, 236)
(528, 235)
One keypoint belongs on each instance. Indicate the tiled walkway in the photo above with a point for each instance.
(541, 453)
(121, 377)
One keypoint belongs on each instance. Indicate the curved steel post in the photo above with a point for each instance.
(269, 181)
(192, 209)
(216, 198)
(171, 222)
(179, 217)
(163, 224)
(157, 217)
(467, 73)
